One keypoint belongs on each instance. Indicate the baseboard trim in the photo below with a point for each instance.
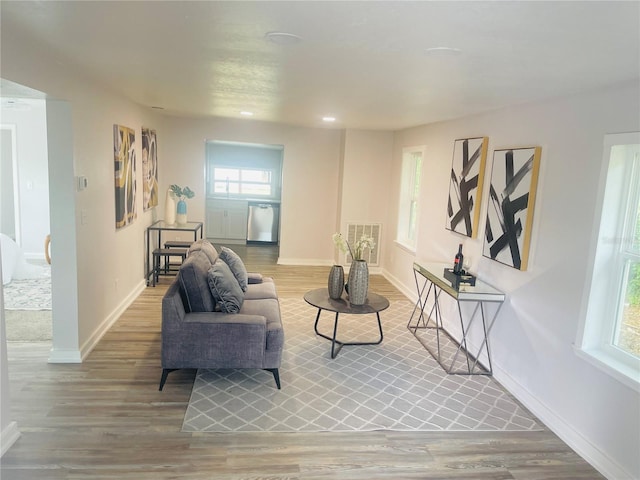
(108, 322)
(409, 293)
(305, 262)
(64, 356)
(596, 457)
(8, 437)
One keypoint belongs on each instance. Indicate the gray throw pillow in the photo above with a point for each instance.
(224, 287)
(236, 265)
(194, 287)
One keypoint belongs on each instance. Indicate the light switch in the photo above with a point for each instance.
(83, 182)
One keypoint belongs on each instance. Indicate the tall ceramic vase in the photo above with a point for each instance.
(358, 282)
(170, 209)
(336, 282)
(181, 218)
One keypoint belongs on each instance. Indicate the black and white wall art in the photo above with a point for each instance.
(512, 197)
(465, 186)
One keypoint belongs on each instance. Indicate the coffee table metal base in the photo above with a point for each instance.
(336, 345)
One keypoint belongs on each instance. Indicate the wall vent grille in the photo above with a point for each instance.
(355, 232)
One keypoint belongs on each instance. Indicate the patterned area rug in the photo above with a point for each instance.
(396, 385)
(30, 294)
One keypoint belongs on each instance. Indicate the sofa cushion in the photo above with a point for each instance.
(194, 287)
(206, 247)
(236, 265)
(270, 309)
(266, 289)
(224, 287)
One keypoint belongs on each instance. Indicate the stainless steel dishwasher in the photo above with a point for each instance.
(263, 222)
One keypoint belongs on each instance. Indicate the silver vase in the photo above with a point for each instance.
(358, 282)
(336, 282)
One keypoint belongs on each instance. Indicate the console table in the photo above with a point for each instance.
(453, 356)
(161, 226)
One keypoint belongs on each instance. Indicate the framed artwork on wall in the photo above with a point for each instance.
(124, 155)
(465, 186)
(512, 198)
(149, 169)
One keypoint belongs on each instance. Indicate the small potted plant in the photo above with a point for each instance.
(182, 194)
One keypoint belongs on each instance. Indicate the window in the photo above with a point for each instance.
(241, 181)
(409, 196)
(611, 332)
(243, 171)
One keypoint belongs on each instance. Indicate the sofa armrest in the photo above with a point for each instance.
(254, 277)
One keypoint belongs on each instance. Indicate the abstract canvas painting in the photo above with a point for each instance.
(512, 197)
(465, 187)
(124, 154)
(149, 169)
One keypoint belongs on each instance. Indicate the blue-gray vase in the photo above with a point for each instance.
(336, 282)
(358, 282)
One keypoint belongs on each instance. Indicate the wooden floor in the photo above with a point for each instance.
(106, 419)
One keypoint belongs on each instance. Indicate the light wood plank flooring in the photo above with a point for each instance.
(106, 419)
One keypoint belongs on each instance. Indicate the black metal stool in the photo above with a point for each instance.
(166, 253)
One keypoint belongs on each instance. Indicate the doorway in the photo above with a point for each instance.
(243, 192)
(9, 203)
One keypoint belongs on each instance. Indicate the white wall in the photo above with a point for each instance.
(532, 341)
(309, 185)
(366, 169)
(33, 176)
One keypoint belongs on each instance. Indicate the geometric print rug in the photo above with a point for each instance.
(396, 385)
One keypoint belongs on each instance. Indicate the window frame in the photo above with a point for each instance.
(605, 287)
(240, 182)
(409, 197)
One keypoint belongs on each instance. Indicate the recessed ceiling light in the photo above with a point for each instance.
(283, 38)
(328, 119)
(246, 114)
(443, 51)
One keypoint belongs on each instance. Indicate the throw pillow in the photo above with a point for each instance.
(206, 247)
(224, 287)
(194, 286)
(236, 265)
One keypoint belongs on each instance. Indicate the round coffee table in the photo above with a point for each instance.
(319, 298)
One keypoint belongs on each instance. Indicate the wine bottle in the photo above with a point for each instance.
(457, 262)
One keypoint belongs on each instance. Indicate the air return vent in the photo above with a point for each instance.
(355, 232)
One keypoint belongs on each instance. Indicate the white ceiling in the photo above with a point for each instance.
(366, 63)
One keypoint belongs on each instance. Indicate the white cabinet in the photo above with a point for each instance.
(226, 219)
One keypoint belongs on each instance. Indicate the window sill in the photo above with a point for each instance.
(405, 247)
(611, 366)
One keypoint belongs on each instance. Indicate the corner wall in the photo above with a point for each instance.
(533, 339)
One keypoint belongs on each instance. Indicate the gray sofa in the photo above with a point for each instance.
(197, 329)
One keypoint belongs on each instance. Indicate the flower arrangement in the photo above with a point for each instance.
(365, 242)
(182, 193)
